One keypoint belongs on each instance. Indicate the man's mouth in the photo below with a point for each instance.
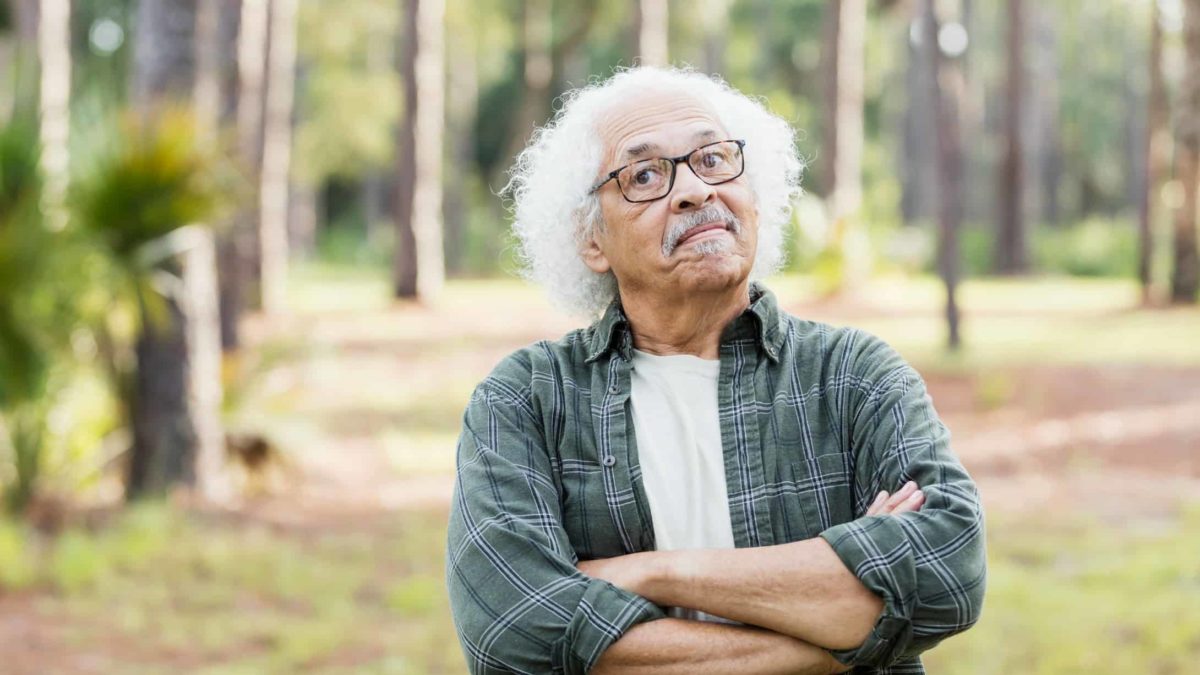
(701, 229)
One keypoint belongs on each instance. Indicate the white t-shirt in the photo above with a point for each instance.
(674, 405)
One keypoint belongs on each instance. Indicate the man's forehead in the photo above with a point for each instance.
(640, 149)
(658, 124)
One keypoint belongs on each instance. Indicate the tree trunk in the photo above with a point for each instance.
(462, 101)
(715, 20)
(1157, 149)
(216, 103)
(1185, 276)
(844, 95)
(175, 403)
(54, 52)
(1010, 255)
(276, 155)
(420, 262)
(253, 32)
(164, 51)
(918, 163)
(652, 32)
(945, 92)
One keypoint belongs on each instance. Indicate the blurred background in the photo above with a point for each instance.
(254, 256)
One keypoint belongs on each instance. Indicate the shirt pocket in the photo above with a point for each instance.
(822, 491)
(585, 519)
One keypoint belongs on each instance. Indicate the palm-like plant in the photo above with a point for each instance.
(136, 200)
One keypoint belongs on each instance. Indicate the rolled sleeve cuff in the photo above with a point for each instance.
(604, 613)
(876, 550)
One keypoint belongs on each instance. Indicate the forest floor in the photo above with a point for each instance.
(1077, 413)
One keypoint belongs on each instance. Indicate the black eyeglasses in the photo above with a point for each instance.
(650, 179)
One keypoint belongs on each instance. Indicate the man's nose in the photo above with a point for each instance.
(689, 191)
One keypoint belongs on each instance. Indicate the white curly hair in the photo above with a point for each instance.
(554, 215)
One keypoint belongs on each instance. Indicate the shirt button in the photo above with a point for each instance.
(614, 389)
(609, 460)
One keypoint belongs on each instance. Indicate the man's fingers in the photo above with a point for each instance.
(913, 503)
(899, 497)
(875, 505)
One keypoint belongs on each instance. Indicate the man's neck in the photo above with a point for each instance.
(690, 324)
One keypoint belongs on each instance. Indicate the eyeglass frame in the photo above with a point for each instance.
(675, 161)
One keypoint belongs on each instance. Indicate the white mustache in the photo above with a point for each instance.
(708, 214)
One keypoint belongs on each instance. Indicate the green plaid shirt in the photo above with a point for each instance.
(815, 421)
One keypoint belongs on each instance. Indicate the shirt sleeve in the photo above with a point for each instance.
(519, 603)
(929, 567)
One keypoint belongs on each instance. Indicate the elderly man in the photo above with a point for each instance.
(698, 482)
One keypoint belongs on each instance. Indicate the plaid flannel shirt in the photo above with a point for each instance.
(815, 421)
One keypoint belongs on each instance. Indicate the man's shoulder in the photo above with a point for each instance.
(541, 363)
(837, 349)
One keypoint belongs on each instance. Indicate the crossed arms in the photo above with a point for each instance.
(800, 595)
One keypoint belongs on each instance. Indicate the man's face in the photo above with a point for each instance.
(679, 243)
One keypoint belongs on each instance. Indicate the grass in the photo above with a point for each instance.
(1078, 596)
(238, 597)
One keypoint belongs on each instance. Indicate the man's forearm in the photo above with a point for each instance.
(670, 646)
(800, 589)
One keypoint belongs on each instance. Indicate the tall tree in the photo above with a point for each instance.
(239, 255)
(652, 22)
(917, 164)
(1157, 149)
(945, 91)
(714, 19)
(164, 51)
(276, 155)
(1011, 256)
(54, 54)
(215, 101)
(176, 389)
(419, 268)
(845, 48)
(1185, 276)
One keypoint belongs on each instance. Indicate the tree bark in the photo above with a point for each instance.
(420, 260)
(164, 51)
(462, 101)
(918, 164)
(54, 52)
(946, 91)
(175, 403)
(1010, 255)
(276, 155)
(1185, 275)
(845, 43)
(715, 20)
(1157, 149)
(253, 33)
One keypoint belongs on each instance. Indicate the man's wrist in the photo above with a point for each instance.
(664, 573)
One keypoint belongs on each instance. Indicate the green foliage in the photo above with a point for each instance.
(1096, 247)
(154, 180)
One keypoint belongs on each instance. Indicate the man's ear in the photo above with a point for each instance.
(594, 257)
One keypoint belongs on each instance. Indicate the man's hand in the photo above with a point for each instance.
(907, 498)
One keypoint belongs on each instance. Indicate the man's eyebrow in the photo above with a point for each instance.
(639, 150)
(642, 149)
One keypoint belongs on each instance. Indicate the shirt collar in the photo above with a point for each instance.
(761, 319)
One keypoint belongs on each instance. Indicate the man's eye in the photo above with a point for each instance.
(712, 160)
(645, 176)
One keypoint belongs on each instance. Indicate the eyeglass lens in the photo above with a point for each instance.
(651, 179)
